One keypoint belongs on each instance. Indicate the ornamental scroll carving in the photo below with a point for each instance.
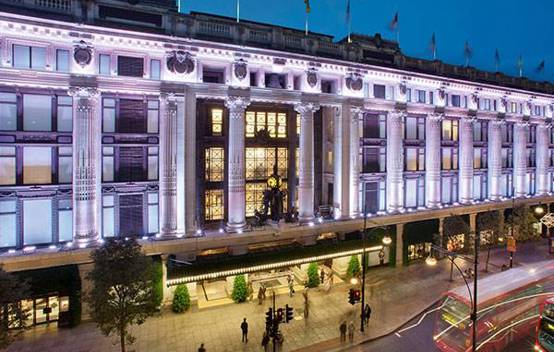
(82, 53)
(180, 62)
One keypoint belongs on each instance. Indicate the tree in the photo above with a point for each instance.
(122, 288)
(452, 227)
(522, 220)
(12, 313)
(313, 275)
(353, 267)
(240, 290)
(181, 299)
(489, 227)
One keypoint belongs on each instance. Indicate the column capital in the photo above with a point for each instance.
(305, 107)
(396, 113)
(237, 102)
(544, 125)
(435, 117)
(84, 92)
(497, 123)
(168, 96)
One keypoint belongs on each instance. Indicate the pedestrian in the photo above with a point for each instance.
(201, 348)
(250, 291)
(342, 329)
(263, 293)
(351, 332)
(291, 285)
(260, 296)
(279, 339)
(306, 304)
(244, 328)
(265, 342)
(322, 276)
(367, 314)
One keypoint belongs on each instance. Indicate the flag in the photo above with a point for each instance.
(520, 65)
(433, 46)
(496, 59)
(308, 8)
(238, 10)
(394, 23)
(540, 68)
(468, 52)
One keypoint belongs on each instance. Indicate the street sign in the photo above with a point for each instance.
(511, 244)
(548, 220)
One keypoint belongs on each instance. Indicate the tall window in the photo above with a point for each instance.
(449, 130)
(507, 158)
(449, 158)
(153, 163)
(374, 159)
(274, 123)
(215, 164)
(104, 63)
(108, 115)
(108, 212)
(37, 165)
(374, 126)
(530, 132)
(374, 193)
(479, 131)
(214, 204)
(153, 224)
(506, 185)
(479, 158)
(7, 166)
(65, 220)
(531, 157)
(62, 60)
(254, 196)
(449, 189)
(480, 186)
(153, 114)
(8, 221)
(65, 113)
(8, 111)
(108, 164)
(415, 128)
(507, 129)
(530, 181)
(155, 68)
(29, 57)
(415, 159)
(65, 164)
(37, 112)
(37, 232)
(415, 192)
(217, 122)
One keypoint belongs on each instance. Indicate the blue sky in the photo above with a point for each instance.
(515, 27)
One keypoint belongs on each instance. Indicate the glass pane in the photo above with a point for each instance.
(104, 68)
(154, 69)
(54, 306)
(411, 159)
(152, 121)
(65, 225)
(108, 119)
(21, 56)
(153, 218)
(7, 169)
(411, 128)
(65, 118)
(7, 228)
(37, 112)
(411, 192)
(37, 232)
(37, 165)
(107, 221)
(8, 116)
(153, 167)
(65, 167)
(107, 169)
(62, 60)
(38, 58)
(152, 198)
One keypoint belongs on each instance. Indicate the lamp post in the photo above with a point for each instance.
(386, 241)
(472, 297)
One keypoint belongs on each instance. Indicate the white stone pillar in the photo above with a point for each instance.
(341, 162)
(86, 151)
(168, 165)
(189, 167)
(466, 160)
(495, 159)
(395, 162)
(236, 204)
(520, 159)
(354, 151)
(433, 160)
(542, 158)
(306, 162)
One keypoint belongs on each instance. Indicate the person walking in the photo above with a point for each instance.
(342, 329)
(244, 328)
(322, 276)
(290, 281)
(250, 291)
(201, 348)
(260, 296)
(265, 342)
(367, 314)
(351, 332)
(306, 304)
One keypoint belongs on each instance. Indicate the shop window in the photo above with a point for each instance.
(449, 130)
(152, 163)
(37, 165)
(62, 60)
(214, 204)
(29, 57)
(107, 164)
(65, 113)
(274, 123)
(153, 116)
(37, 112)
(8, 111)
(37, 232)
(108, 115)
(153, 224)
(8, 221)
(215, 164)
(7, 165)
(455, 243)
(108, 216)
(217, 122)
(65, 220)
(260, 162)
(419, 250)
(65, 164)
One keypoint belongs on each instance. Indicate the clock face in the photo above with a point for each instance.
(274, 181)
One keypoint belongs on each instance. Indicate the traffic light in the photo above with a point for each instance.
(354, 296)
(357, 296)
(268, 319)
(280, 315)
(289, 313)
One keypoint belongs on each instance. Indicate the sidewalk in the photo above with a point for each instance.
(395, 294)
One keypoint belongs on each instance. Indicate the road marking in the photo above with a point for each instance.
(421, 319)
(397, 334)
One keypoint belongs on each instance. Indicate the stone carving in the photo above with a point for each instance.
(180, 62)
(82, 53)
(240, 69)
(442, 93)
(275, 81)
(402, 88)
(354, 82)
(474, 98)
(311, 78)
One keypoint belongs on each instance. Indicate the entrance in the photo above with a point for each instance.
(43, 310)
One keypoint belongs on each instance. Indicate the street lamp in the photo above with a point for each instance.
(432, 261)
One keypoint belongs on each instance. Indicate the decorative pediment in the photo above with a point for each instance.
(240, 69)
(82, 53)
(354, 82)
(180, 62)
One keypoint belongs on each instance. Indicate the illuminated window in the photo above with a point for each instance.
(260, 162)
(65, 164)
(37, 112)
(214, 204)
(37, 232)
(153, 116)
(298, 124)
(153, 213)
(214, 164)
(65, 113)
(153, 163)
(8, 111)
(274, 123)
(217, 122)
(7, 165)
(8, 221)
(449, 130)
(65, 220)
(37, 165)
(419, 250)
(254, 196)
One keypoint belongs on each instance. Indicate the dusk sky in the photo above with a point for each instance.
(513, 26)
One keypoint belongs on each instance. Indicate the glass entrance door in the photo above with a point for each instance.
(45, 309)
(41, 311)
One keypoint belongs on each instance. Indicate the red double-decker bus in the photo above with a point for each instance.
(508, 308)
(545, 328)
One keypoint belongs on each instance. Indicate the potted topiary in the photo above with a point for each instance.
(313, 275)
(240, 290)
(353, 269)
(181, 299)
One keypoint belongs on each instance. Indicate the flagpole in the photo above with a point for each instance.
(306, 24)
(238, 11)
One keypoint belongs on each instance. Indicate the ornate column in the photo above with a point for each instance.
(236, 202)
(395, 161)
(466, 160)
(168, 165)
(433, 160)
(495, 159)
(542, 158)
(186, 167)
(86, 166)
(306, 162)
(354, 151)
(520, 159)
(341, 168)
